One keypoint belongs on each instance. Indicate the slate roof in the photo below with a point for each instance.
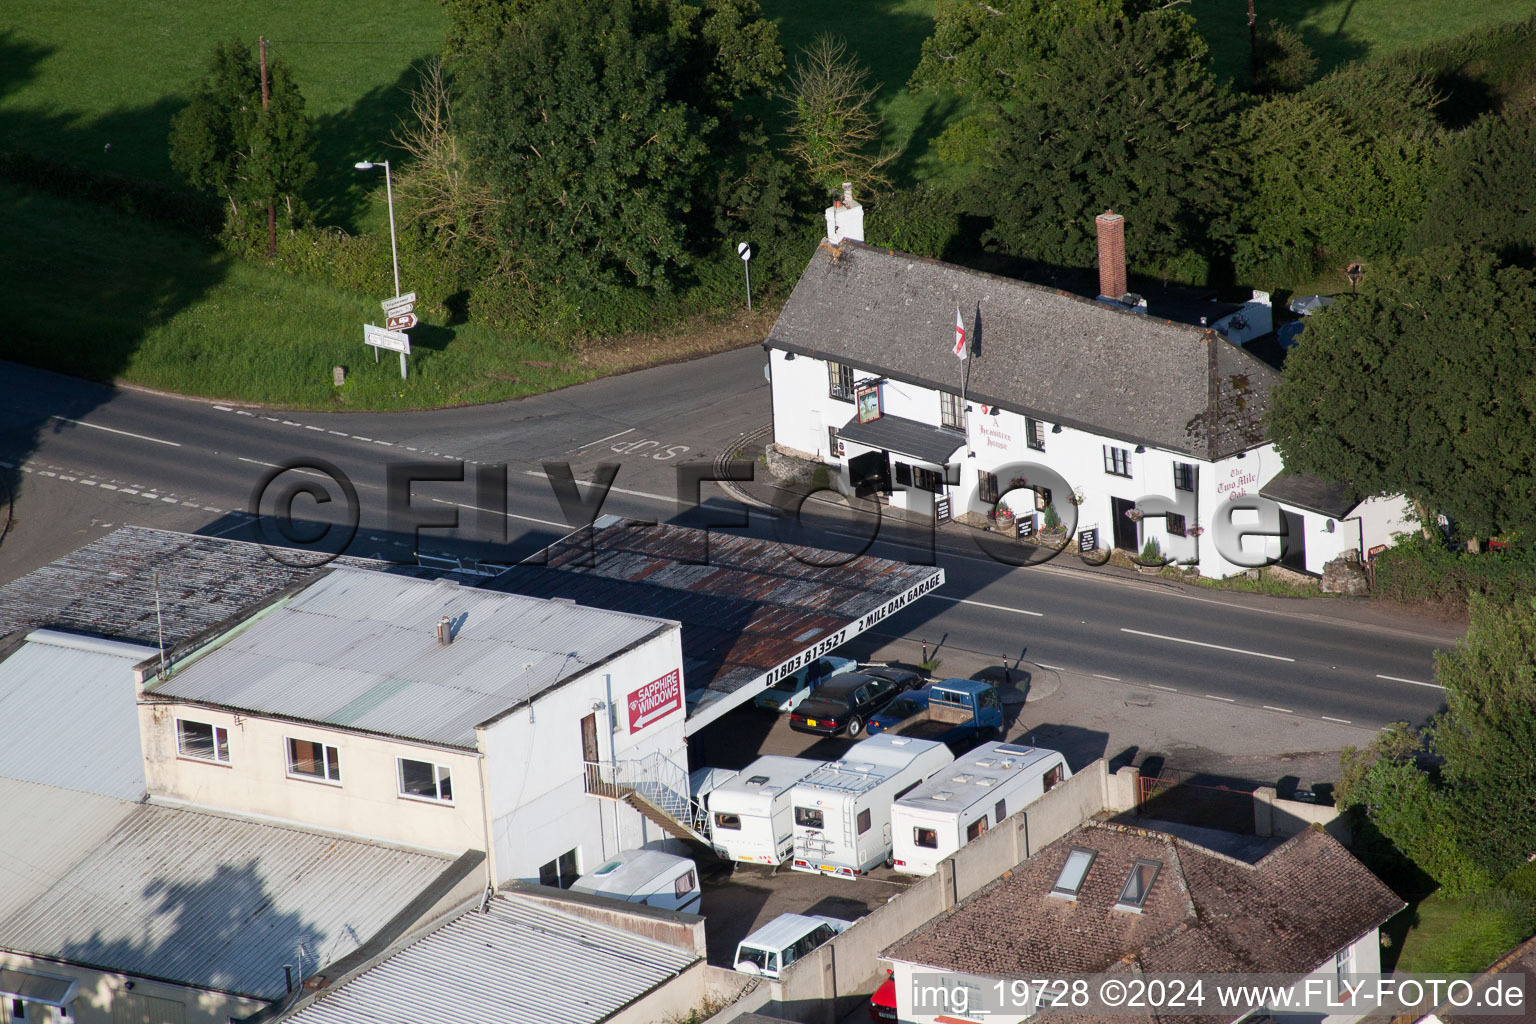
(108, 587)
(1312, 493)
(1206, 913)
(519, 962)
(1035, 350)
(905, 437)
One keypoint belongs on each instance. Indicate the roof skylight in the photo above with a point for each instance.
(1074, 872)
(1138, 885)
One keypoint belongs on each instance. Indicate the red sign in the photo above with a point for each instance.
(655, 700)
(402, 322)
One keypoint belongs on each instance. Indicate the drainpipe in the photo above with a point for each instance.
(485, 818)
(613, 760)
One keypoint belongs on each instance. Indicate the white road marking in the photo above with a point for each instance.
(242, 412)
(113, 430)
(128, 490)
(994, 607)
(1201, 643)
(359, 437)
(223, 408)
(171, 501)
(1413, 682)
(1053, 668)
(69, 479)
(1156, 686)
(210, 508)
(1228, 700)
(47, 472)
(509, 515)
(308, 427)
(390, 443)
(1341, 721)
(273, 465)
(1113, 679)
(1284, 711)
(615, 490)
(338, 433)
(109, 487)
(88, 483)
(610, 437)
(290, 423)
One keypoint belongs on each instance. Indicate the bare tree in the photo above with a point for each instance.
(434, 188)
(834, 129)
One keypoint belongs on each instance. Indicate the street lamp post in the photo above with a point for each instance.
(389, 191)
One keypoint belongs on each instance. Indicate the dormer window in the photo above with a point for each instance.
(1073, 873)
(1138, 885)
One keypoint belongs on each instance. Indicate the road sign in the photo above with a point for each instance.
(400, 303)
(395, 341)
(400, 321)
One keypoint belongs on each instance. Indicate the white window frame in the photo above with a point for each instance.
(1117, 461)
(439, 773)
(1034, 433)
(836, 389)
(218, 732)
(951, 411)
(328, 753)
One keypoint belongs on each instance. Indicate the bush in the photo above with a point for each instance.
(923, 220)
(1420, 571)
(164, 204)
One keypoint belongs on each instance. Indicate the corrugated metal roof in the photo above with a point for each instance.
(201, 899)
(109, 586)
(359, 649)
(519, 963)
(70, 717)
(746, 607)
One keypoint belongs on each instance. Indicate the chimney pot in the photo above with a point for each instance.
(1111, 235)
(444, 630)
(848, 192)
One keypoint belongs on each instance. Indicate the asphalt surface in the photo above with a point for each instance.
(82, 459)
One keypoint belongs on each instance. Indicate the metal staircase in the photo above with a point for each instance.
(658, 788)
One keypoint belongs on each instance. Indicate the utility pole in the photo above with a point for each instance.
(266, 102)
(1253, 46)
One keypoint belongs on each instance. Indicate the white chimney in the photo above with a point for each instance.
(444, 630)
(845, 217)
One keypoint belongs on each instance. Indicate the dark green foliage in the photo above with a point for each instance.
(1425, 385)
(599, 129)
(1416, 570)
(227, 145)
(987, 53)
(925, 220)
(1486, 196)
(1126, 117)
(1285, 64)
(475, 27)
(1334, 179)
(1474, 822)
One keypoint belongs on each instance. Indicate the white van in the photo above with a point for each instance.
(749, 815)
(977, 792)
(842, 811)
(646, 876)
(782, 941)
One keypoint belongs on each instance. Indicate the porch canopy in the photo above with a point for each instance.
(919, 441)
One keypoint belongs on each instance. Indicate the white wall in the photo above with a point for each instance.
(99, 990)
(537, 799)
(803, 410)
(367, 802)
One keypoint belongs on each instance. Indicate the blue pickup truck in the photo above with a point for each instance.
(960, 713)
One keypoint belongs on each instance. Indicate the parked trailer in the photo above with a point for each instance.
(646, 876)
(842, 811)
(976, 793)
(749, 815)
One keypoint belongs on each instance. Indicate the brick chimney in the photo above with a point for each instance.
(845, 217)
(1111, 231)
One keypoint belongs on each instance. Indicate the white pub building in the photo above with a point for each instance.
(1130, 427)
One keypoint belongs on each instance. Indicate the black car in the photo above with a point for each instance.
(844, 703)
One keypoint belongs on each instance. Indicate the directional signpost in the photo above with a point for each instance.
(399, 317)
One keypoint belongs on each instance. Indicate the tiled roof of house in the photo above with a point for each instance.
(1037, 351)
(1205, 913)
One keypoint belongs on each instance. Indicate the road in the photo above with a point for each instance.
(85, 458)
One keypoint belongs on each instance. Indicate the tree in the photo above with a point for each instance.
(833, 126)
(1424, 385)
(225, 143)
(433, 189)
(598, 129)
(1486, 196)
(1126, 116)
(1284, 63)
(984, 53)
(1474, 820)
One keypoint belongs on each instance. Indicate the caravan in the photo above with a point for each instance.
(842, 811)
(749, 814)
(646, 876)
(975, 794)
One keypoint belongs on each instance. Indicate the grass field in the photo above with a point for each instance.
(78, 75)
(109, 297)
(1339, 31)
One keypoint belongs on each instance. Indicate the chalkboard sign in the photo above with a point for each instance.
(1026, 526)
(941, 509)
(1088, 540)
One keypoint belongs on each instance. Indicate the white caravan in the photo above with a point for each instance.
(843, 809)
(977, 792)
(646, 876)
(749, 815)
